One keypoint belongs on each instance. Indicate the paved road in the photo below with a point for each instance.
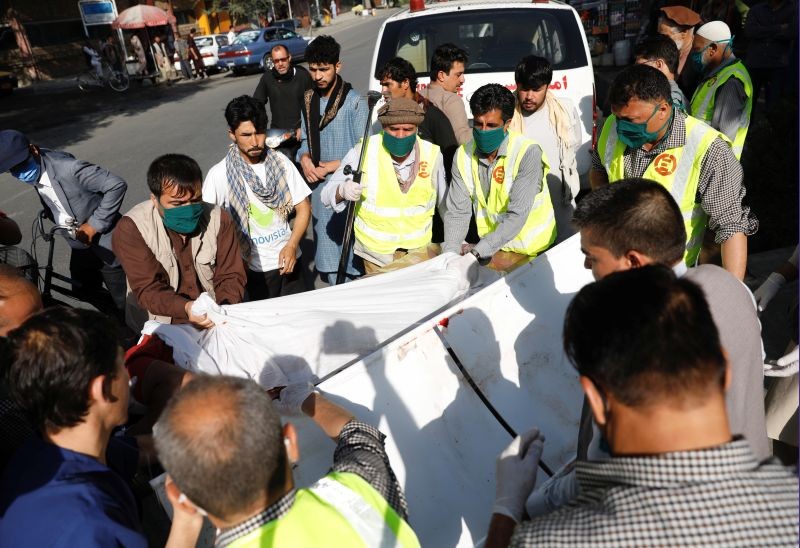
(124, 133)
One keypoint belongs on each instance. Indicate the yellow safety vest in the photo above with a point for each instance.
(539, 230)
(676, 169)
(704, 98)
(386, 218)
(341, 510)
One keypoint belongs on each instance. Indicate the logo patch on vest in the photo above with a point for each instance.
(423, 170)
(711, 81)
(665, 164)
(499, 174)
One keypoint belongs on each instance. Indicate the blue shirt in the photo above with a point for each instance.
(335, 141)
(50, 496)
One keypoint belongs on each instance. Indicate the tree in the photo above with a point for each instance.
(243, 11)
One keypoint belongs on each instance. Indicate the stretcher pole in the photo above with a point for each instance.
(347, 240)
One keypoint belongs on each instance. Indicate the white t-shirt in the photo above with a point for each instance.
(268, 232)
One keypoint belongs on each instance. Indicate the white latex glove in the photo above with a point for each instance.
(292, 397)
(768, 290)
(785, 366)
(350, 190)
(515, 473)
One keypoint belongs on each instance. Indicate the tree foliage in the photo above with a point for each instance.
(242, 11)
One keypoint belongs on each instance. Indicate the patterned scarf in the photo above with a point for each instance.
(274, 193)
(316, 123)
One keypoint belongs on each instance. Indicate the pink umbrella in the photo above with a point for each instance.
(142, 16)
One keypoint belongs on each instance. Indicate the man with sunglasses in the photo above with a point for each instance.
(282, 88)
(76, 193)
(647, 137)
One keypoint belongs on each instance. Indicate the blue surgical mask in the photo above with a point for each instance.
(488, 140)
(28, 171)
(635, 135)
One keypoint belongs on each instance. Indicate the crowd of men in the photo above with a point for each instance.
(673, 445)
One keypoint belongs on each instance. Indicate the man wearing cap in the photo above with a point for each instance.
(78, 194)
(724, 98)
(678, 23)
(403, 180)
(648, 137)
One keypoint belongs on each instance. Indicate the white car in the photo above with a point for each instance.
(209, 45)
(496, 36)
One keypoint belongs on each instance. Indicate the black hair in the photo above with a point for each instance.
(492, 96)
(398, 69)
(443, 58)
(324, 50)
(533, 72)
(641, 82)
(634, 214)
(659, 47)
(246, 109)
(646, 337)
(51, 361)
(173, 170)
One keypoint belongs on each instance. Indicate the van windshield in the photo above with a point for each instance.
(494, 39)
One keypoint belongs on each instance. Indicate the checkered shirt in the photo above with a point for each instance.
(720, 496)
(360, 451)
(720, 190)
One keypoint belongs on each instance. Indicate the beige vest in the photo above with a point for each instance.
(204, 252)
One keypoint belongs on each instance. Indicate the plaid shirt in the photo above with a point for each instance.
(720, 190)
(360, 451)
(720, 496)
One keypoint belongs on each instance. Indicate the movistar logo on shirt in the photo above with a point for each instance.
(260, 217)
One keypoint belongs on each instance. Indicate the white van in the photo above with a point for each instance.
(496, 36)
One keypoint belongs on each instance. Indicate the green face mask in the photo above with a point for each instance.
(398, 146)
(488, 140)
(635, 135)
(183, 219)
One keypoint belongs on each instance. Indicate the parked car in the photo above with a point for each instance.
(8, 81)
(251, 48)
(496, 37)
(209, 45)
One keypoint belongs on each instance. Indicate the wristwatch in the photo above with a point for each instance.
(477, 255)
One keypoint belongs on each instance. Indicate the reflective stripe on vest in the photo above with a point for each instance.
(704, 99)
(340, 510)
(364, 518)
(386, 218)
(539, 230)
(676, 169)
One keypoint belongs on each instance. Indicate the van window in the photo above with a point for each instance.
(222, 40)
(494, 39)
(203, 41)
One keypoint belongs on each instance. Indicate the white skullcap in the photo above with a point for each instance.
(715, 31)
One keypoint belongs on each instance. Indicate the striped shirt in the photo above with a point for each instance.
(721, 496)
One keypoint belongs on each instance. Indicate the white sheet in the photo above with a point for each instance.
(309, 335)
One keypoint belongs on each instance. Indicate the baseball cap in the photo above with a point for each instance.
(14, 149)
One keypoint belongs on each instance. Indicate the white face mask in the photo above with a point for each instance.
(679, 44)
